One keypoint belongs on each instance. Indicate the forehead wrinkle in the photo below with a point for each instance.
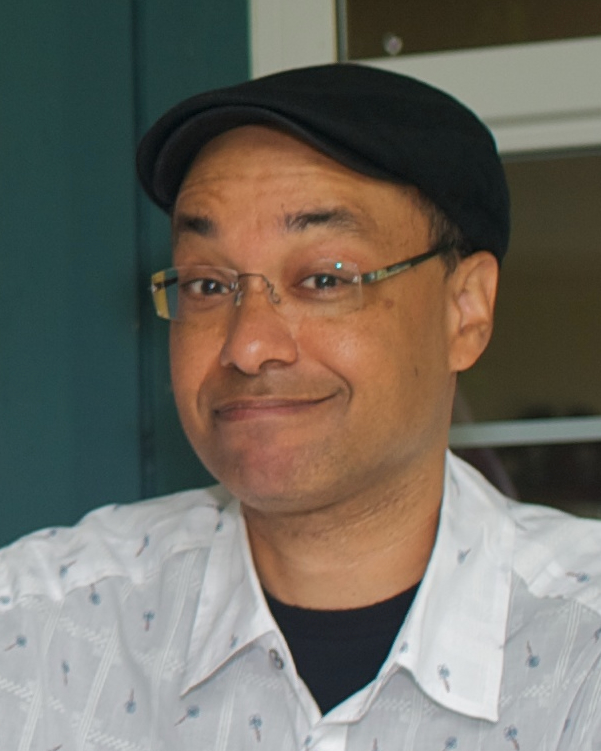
(339, 217)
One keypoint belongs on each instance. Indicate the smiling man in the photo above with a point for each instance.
(350, 585)
(322, 403)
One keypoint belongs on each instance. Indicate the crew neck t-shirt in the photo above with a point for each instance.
(338, 652)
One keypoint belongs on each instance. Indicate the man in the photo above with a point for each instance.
(337, 234)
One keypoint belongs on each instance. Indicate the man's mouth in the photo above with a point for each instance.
(265, 407)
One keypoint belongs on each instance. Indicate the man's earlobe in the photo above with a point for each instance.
(472, 294)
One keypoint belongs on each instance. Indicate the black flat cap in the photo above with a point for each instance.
(382, 124)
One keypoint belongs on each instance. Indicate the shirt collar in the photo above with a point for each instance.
(452, 640)
(232, 611)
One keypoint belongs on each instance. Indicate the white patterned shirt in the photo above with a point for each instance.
(145, 628)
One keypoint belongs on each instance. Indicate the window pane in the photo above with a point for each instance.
(379, 27)
(544, 359)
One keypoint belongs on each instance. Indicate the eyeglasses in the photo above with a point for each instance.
(312, 289)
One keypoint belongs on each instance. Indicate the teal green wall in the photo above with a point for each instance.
(86, 413)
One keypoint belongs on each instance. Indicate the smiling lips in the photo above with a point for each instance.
(256, 408)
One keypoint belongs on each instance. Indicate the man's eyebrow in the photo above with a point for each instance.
(338, 218)
(196, 224)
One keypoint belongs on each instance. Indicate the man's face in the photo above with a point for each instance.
(296, 415)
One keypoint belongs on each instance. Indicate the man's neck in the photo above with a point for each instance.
(350, 554)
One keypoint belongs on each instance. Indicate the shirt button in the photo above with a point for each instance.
(276, 658)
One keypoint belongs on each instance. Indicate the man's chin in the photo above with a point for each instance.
(268, 478)
(262, 478)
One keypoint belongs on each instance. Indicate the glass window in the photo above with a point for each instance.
(544, 360)
(375, 28)
(545, 356)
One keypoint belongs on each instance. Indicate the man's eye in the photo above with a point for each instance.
(323, 281)
(204, 287)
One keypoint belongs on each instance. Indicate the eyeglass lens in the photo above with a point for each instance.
(195, 293)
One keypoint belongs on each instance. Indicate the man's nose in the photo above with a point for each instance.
(256, 333)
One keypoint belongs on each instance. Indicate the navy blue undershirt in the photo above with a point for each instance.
(338, 652)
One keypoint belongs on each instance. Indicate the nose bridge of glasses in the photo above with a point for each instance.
(263, 284)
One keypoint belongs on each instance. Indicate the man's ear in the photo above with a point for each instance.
(471, 299)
